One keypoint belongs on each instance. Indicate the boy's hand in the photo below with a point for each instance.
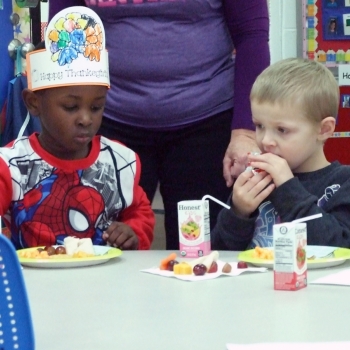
(120, 235)
(249, 191)
(274, 165)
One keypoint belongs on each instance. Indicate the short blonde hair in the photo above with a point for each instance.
(307, 83)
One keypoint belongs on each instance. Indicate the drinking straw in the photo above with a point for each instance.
(215, 200)
(307, 218)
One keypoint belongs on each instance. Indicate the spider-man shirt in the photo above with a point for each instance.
(45, 199)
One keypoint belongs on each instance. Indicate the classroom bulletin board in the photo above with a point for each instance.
(326, 39)
(327, 31)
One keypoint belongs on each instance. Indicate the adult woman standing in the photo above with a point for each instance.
(172, 96)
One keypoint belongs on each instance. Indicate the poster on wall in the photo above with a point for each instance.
(327, 31)
(327, 40)
(337, 147)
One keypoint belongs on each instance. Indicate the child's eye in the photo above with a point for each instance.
(282, 130)
(97, 108)
(69, 108)
(258, 126)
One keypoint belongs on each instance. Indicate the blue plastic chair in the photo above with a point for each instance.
(16, 328)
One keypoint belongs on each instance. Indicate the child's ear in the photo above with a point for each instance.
(31, 101)
(327, 127)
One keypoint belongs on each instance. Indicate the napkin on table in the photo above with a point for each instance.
(289, 346)
(341, 278)
(208, 276)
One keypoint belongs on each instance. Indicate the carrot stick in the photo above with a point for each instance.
(164, 262)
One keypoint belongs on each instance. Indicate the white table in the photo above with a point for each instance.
(115, 306)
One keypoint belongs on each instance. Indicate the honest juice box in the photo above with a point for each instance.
(194, 228)
(290, 265)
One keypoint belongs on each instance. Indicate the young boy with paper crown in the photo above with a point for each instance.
(66, 181)
(294, 106)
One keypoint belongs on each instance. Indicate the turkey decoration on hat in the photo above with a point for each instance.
(74, 54)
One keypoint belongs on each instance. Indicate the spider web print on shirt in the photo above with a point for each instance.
(50, 203)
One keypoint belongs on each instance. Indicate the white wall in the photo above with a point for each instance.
(286, 38)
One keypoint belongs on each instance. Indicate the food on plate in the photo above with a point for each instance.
(208, 259)
(242, 265)
(199, 266)
(213, 267)
(182, 268)
(81, 254)
(227, 268)
(263, 253)
(34, 254)
(74, 245)
(85, 246)
(199, 269)
(190, 230)
(83, 249)
(60, 250)
(164, 263)
(194, 262)
(50, 250)
(39, 253)
(170, 265)
(71, 244)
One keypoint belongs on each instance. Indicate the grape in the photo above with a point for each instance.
(170, 265)
(60, 250)
(50, 250)
(213, 267)
(242, 265)
(199, 269)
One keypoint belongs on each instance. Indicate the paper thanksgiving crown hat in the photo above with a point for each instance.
(74, 54)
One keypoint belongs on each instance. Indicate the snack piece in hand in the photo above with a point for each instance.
(182, 269)
(250, 168)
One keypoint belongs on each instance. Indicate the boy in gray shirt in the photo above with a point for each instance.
(294, 105)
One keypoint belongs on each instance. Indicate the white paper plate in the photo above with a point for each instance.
(208, 276)
(340, 256)
(103, 254)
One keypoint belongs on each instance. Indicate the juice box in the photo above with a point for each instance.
(290, 264)
(194, 228)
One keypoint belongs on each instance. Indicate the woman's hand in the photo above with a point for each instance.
(235, 160)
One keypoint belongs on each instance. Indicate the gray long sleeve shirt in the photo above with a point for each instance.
(325, 191)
